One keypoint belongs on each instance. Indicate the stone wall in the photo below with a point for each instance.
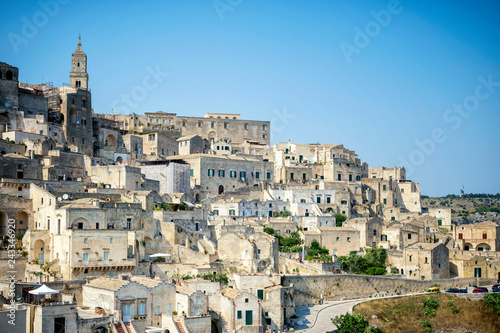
(309, 289)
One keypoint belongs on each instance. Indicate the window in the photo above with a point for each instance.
(111, 241)
(338, 238)
(191, 172)
(221, 173)
(232, 212)
(225, 125)
(440, 222)
(318, 199)
(243, 176)
(196, 311)
(198, 300)
(384, 187)
(350, 178)
(216, 212)
(460, 236)
(409, 236)
(343, 202)
(485, 236)
(257, 175)
(339, 177)
(85, 241)
(426, 260)
(328, 199)
(129, 223)
(142, 309)
(264, 127)
(268, 175)
(409, 258)
(245, 126)
(212, 124)
(157, 310)
(348, 239)
(210, 172)
(385, 201)
(246, 300)
(238, 316)
(226, 148)
(291, 175)
(232, 174)
(374, 232)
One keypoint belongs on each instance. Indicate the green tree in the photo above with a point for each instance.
(377, 256)
(355, 323)
(270, 231)
(492, 302)
(340, 218)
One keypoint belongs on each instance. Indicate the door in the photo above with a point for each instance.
(126, 312)
(60, 325)
(106, 258)
(40, 258)
(477, 272)
(260, 293)
(85, 259)
(248, 317)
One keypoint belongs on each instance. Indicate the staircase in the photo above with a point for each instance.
(129, 328)
(120, 327)
(180, 325)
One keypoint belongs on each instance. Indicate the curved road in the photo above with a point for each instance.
(317, 319)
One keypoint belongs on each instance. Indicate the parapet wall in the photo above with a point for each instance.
(310, 289)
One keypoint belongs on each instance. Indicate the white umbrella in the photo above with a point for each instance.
(156, 255)
(43, 290)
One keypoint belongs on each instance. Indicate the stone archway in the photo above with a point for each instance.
(3, 223)
(221, 189)
(22, 222)
(110, 141)
(39, 250)
(80, 223)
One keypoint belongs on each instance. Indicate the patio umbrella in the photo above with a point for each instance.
(43, 290)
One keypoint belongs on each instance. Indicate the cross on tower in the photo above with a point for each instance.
(79, 38)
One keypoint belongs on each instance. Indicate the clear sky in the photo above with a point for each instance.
(411, 83)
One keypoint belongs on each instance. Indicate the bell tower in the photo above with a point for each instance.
(78, 77)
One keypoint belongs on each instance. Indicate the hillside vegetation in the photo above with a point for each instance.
(466, 205)
(431, 313)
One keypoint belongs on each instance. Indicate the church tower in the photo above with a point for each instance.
(78, 77)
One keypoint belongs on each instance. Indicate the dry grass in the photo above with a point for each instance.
(405, 315)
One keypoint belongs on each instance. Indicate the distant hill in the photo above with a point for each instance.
(466, 206)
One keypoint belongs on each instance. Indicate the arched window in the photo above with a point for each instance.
(8, 75)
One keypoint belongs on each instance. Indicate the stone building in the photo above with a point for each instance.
(483, 236)
(213, 174)
(173, 175)
(122, 177)
(426, 261)
(159, 144)
(466, 264)
(192, 144)
(340, 241)
(214, 126)
(240, 311)
(254, 253)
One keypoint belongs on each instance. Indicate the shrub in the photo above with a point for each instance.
(492, 302)
(350, 323)
(270, 231)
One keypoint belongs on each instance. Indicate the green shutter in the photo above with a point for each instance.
(440, 222)
(248, 317)
(260, 294)
(239, 315)
(191, 172)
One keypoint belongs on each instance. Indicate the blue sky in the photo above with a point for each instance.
(321, 71)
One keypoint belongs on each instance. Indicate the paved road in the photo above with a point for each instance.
(317, 319)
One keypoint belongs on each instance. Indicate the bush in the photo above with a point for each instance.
(492, 302)
(340, 218)
(350, 323)
(375, 271)
(270, 231)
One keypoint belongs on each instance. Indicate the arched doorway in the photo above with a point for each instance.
(221, 189)
(80, 223)
(3, 223)
(110, 141)
(119, 159)
(483, 247)
(39, 250)
(197, 197)
(72, 116)
(22, 222)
